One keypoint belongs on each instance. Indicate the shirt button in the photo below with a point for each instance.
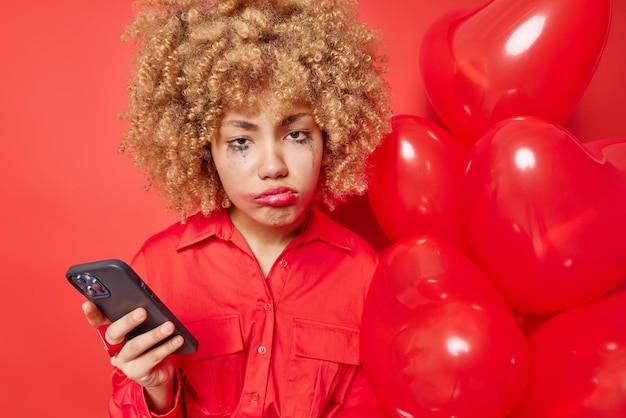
(283, 263)
(262, 349)
(254, 397)
(267, 306)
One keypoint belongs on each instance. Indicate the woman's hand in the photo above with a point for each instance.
(152, 369)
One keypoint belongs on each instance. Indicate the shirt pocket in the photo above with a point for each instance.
(325, 357)
(215, 371)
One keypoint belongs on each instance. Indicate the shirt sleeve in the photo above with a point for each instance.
(128, 400)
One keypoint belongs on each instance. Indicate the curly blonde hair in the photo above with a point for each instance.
(196, 58)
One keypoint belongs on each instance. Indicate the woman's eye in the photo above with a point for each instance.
(299, 136)
(239, 144)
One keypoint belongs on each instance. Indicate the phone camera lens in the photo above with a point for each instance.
(79, 280)
(90, 286)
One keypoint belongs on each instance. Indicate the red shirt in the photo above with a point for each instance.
(282, 346)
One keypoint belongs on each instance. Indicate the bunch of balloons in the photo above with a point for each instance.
(499, 296)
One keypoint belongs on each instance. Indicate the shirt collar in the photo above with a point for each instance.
(200, 227)
(318, 226)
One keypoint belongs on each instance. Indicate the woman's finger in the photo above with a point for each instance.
(93, 315)
(142, 343)
(117, 331)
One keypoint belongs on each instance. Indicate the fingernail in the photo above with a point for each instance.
(178, 340)
(138, 315)
(166, 328)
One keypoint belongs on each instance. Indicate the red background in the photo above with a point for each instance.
(68, 197)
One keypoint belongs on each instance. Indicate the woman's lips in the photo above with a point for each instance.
(276, 196)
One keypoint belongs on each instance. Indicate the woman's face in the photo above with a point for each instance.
(269, 164)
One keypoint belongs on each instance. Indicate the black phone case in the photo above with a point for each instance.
(115, 288)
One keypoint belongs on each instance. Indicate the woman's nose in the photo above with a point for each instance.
(272, 162)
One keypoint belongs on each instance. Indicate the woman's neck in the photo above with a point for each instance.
(266, 242)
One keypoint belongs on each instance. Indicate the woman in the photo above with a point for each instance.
(246, 115)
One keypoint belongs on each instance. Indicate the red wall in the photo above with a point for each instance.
(68, 197)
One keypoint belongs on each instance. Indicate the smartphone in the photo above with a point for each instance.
(115, 288)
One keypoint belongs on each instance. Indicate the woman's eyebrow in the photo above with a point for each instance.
(243, 124)
(291, 119)
(249, 126)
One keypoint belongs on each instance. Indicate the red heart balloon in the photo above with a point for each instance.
(512, 58)
(544, 214)
(578, 363)
(437, 340)
(416, 181)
